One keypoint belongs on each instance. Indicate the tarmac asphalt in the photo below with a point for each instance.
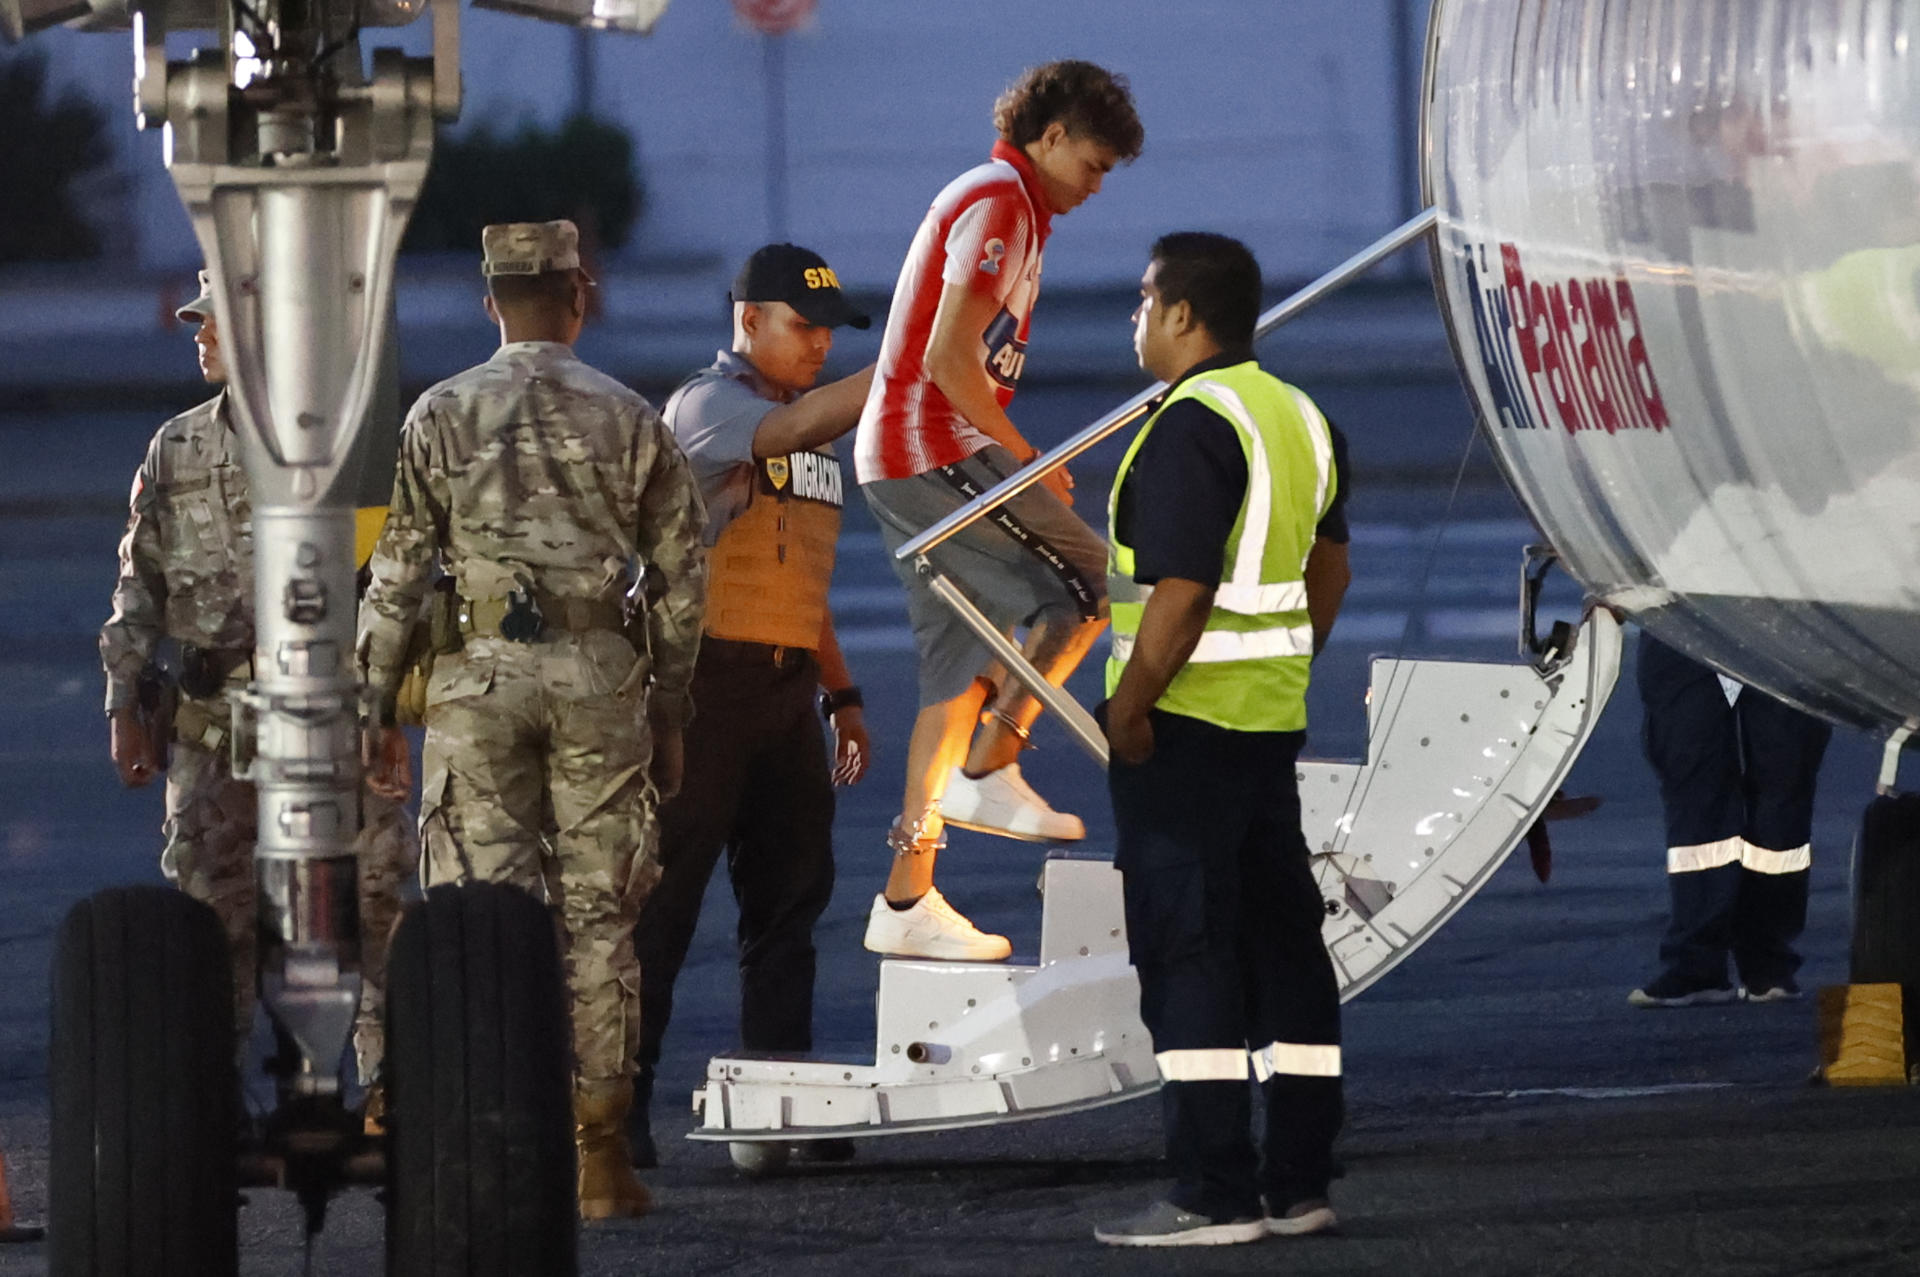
(1508, 1111)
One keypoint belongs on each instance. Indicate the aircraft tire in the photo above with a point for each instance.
(1886, 895)
(144, 1090)
(480, 1160)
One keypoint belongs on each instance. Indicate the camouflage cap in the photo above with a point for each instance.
(529, 248)
(201, 307)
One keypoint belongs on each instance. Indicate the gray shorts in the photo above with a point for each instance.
(1031, 560)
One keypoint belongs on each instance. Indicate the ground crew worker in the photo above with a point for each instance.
(1228, 567)
(1737, 771)
(759, 436)
(186, 575)
(935, 434)
(549, 494)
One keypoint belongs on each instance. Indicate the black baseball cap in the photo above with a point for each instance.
(800, 278)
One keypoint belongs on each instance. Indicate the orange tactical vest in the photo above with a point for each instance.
(768, 573)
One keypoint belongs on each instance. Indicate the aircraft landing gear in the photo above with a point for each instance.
(480, 1170)
(149, 1152)
(144, 1090)
(759, 1159)
(1886, 899)
(299, 162)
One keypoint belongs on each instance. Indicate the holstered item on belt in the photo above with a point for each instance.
(443, 618)
(527, 616)
(410, 702)
(435, 634)
(204, 671)
(195, 722)
(647, 591)
(156, 698)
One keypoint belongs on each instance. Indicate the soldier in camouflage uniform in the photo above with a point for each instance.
(186, 575)
(544, 489)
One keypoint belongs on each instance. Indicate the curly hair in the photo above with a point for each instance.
(1090, 100)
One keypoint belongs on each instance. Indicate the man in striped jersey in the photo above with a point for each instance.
(934, 434)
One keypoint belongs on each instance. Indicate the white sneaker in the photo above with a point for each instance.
(931, 929)
(1000, 802)
(1303, 1219)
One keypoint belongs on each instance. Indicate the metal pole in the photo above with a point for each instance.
(1079, 724)
(1040, 466)
(305, 690)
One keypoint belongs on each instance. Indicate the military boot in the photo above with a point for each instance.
(608, 1189)
(640, 1123)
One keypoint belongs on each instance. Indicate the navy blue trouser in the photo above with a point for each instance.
(1223, 924)
(758, 787)
(1737, 784)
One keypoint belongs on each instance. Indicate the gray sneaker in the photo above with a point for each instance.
(1313, 1215)
(1164, 1224)
(1785, 991)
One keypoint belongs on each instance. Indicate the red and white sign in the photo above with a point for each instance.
(775, 17)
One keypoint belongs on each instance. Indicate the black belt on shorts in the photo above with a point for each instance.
(1085, 599)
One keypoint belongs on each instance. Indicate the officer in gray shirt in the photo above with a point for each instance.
(758, 435)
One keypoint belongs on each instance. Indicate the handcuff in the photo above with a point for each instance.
(845, 698)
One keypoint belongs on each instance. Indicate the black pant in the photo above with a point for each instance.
(1742, 771)
(1223, 924)
(757, 785)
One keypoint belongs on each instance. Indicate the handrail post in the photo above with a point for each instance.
(1080, 725)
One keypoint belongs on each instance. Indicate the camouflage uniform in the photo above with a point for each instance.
(186, 574)
(534, 473)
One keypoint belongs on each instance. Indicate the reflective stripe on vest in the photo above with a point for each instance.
(1282, 596)
(1228, 645)
(1249, 670)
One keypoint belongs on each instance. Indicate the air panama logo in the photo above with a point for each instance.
(811, 476)
(1571, 351)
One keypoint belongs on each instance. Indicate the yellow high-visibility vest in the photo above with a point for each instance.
(1249, 671)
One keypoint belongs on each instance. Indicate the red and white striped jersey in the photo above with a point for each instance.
(985, 231)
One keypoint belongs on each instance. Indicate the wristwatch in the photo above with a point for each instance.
(831, 702)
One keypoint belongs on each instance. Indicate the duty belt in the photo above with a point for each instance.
(483, 617)
(205, 670)
(204, 724)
